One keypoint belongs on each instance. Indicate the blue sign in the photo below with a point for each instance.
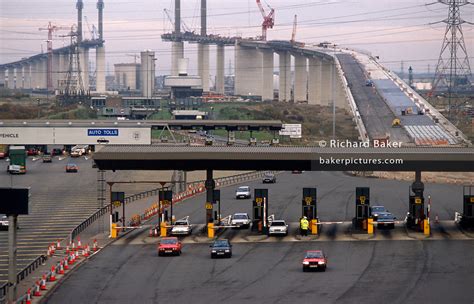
(102, 132)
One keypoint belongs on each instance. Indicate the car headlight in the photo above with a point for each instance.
(213, 251)
(227, 250)
(305, 263)
(321, 262)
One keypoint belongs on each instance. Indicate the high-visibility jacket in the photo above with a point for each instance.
(304, 224)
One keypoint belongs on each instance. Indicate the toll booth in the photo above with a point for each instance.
(416, 210)
(216, 197)
(467, 220)
(362, 210)
(165, 198)
(260, 210)
(309, 207)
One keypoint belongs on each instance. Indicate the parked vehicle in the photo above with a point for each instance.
(221, 248)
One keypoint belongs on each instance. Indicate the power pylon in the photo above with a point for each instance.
(453, 66)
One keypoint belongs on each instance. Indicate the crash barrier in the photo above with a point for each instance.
(71, 254)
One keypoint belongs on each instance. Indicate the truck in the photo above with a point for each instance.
(17, 156)
(3, 151)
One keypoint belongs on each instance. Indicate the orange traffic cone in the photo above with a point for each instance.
(66, 263)
(28, 296)
(53, 249)
(73, 246)
(79, 245)
(43, 283)
(37, 292)
(58, 245)
(95, 246)
(67, 249)
(61, 268)
(77, 255)
(86, 251)
(52, 277)
(72, 258)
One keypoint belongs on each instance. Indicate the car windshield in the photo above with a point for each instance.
(268, 175)
(314, 254)
(387, 216)
(243, 189)
(278, 223)
(378, 209)
(181, 223)
(240, 216)
(221, 243)
(168, 241)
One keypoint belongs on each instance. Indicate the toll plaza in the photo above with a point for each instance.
(467, 219)
(362, 209)
(309, 208)
(416, 204)
(260, 211)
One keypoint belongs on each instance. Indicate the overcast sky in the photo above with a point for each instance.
(395, 30)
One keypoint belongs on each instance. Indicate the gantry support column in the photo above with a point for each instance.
(314, 81)
(10, 76)
(284, 93)
(327, 83)
(248, 71)
(267, 74)
(301, 79)
(210, 186)
(220, 66)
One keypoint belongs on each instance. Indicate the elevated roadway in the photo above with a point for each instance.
(154, 157)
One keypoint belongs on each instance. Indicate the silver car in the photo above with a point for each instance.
(243, 192)
(241, 220)
(182, 227)
(278, 227)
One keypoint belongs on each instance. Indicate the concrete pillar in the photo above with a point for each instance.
(203, 65)
(62, 70)
(27, 76)
(177, 53)
(314, 81)
(148, 73)
(34, 74)
(248, 71)
(284, 92)
(84, 67)
(301, 79)
(10, 78)
(55, 71)
(341, 99)
(267, 75)
(327, 83)
(43, 73)
(2, 78)
(100, 70)
(220, 66)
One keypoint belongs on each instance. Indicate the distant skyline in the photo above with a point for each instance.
(393, 30)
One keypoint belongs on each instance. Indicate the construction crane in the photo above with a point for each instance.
(135, 56)
(51, 29)
(268, 20)
(293, 33)
(185, 27)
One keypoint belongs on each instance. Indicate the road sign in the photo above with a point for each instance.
(291, 130)
(209, 206)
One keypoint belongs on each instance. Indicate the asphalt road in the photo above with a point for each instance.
(375, 113)
(429, 271)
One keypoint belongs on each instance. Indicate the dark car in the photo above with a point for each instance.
(269, 178)
(315, 260)
(72, 168)
(386, 220)
(296, 172)
(47, 158)
(221, 248)
(375, 210)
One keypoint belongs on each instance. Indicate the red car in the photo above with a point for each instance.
(169, 245)
(315, 260)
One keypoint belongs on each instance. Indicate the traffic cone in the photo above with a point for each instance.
(79, 244)
(72, 258)
(43, 283)
(52, 277)
(53, 249)
(58, 245)
(86, 251)
(77, 255)
(66, 263)
(94, 246)
(37, 292)
(28, 296)
(73, 246)
(61, 268)
(67, 249)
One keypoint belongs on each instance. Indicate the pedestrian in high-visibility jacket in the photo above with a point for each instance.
(304, 225)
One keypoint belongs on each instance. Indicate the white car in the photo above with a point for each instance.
(241, 220)
(3, 221)
(182, 227)
(243, 192)
(278, 227)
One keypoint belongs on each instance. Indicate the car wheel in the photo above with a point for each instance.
(230, 255)
(159, 253)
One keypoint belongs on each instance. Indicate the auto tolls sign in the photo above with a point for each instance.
(102, 132)
(291, 130)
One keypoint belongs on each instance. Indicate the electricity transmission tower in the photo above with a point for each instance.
(453, 66)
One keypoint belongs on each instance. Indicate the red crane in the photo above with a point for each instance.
(268, 20)
(51, 29)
